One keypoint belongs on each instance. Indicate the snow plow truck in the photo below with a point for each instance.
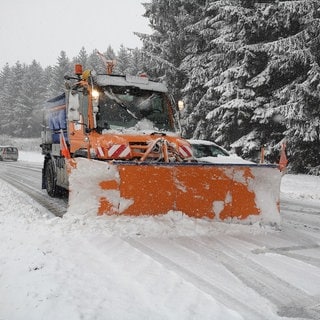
(122, 133)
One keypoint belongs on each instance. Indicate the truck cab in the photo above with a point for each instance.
(112, 112)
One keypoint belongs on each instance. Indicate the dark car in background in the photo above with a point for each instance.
(8, 153)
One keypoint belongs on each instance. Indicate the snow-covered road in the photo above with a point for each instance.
(170, 267)
(26, 177)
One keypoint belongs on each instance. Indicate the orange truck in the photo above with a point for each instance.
(129, 126)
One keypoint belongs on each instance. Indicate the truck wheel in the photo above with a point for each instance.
(51, 180)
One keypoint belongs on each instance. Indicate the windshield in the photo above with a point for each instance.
(121, 107)
(207, 150)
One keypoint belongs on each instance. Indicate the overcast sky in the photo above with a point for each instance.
(40, 29)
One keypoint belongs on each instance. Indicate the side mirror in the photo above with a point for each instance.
(73, 107)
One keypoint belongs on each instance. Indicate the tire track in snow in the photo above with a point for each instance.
(24, 166)
(300, 206)
(299, 232)
(287, 244)
(301, 214)
(289, 300)
(23, 183)
(287, 251)
(305, 219)
(202, 281)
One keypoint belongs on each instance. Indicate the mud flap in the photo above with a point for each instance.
(199, 190)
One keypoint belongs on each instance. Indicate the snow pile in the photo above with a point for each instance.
(30, 156)
(232, 159)
(84, 184)
(303, 187)
(266, 186)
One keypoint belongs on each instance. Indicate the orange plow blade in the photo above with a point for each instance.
(199, 190)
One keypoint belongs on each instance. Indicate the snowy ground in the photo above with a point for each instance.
(172, 267)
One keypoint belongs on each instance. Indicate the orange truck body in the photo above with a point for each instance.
(128, 125)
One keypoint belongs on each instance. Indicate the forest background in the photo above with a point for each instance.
(248, 72)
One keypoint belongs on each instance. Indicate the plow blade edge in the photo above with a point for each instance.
(215, 191)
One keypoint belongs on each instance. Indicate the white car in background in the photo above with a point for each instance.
(208, 151)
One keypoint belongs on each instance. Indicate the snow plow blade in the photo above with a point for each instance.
(199, 190)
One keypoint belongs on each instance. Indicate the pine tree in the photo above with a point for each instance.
(11, 99)
(82, 58)
(47, 74)
(32, 99)
(137, 64)
(5, 98)
(95, 63)
(246, 61)
(123, 64)
(110, 54)
(62, 68)
(165, 49)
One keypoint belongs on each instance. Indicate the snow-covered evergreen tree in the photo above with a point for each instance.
(62, 68)
(5, 98)
(165, 48)
(12, 107)
(123, 64)
(32, 98)
(110, 54)
(95, 63)
(137, 65)
(47, 77)
(82, 58)
(22, 97)
(253, 66)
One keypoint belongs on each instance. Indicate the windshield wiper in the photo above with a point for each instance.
(120, 103)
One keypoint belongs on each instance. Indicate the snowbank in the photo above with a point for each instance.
(30, 156)
(300, 187)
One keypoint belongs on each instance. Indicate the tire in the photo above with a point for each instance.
(51, 180)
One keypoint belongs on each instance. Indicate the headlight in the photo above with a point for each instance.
(95, 94)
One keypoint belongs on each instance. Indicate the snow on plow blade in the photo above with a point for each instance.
(198, 190)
